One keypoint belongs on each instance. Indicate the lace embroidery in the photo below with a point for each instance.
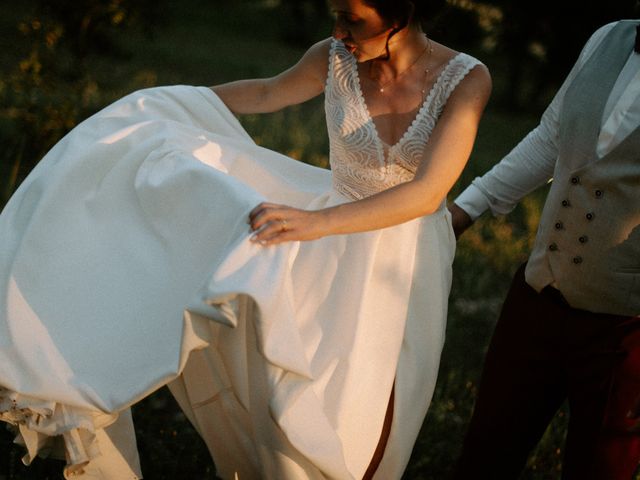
(359, 163)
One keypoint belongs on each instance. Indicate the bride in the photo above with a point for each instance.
(297, 314)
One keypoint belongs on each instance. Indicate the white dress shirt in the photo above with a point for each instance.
(531, 163)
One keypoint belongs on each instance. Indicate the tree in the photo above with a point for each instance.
(49, 87)
(541, 40)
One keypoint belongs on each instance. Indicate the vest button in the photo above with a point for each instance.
(553, 247)
(577, 260)
(599, 193)
(583, 239)
(575, 180)
(590, 216)
(566, 203)
(559, 225)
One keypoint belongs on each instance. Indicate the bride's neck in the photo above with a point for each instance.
(405, 47)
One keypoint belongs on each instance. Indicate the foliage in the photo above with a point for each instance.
(49, 86)
(539, 41)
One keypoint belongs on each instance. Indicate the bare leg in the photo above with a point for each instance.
(382, 443)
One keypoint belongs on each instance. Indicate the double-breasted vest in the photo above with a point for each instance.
(588, 241)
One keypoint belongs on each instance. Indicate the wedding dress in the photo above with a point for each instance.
(125, 265)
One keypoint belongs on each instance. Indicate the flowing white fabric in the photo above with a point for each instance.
(125, 264)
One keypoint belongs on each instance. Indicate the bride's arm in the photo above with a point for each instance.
(444, 158)
(298, 84)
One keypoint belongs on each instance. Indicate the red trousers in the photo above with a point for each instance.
(542, 353)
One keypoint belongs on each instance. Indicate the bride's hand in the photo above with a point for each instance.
(272, 224)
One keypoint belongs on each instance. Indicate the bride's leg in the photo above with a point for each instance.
(382, 443)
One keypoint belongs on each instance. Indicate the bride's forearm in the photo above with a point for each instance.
(391, 207)
(272, 223)
(244, 96)
(443, 158)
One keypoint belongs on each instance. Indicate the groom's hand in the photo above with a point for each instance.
(459, 219)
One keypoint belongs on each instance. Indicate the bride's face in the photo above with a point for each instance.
(359, 26)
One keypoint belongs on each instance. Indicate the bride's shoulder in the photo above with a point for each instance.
(319, 51)
(316, 58)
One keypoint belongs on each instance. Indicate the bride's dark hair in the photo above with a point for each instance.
(404, 12)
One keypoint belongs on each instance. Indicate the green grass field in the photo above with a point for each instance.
(201, 45)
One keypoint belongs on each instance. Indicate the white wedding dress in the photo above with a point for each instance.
(125, 264)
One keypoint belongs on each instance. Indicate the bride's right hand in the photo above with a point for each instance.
(272, 224)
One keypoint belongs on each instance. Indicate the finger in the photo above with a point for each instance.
(270, 230)
(256, 212)
(266, 217)
(273, 214)
(255, 221)
(259, 216)
(277, 238)
(258, 209)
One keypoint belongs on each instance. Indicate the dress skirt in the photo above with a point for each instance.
(126, 265)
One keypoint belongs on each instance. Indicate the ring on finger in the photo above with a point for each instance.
(283, 223)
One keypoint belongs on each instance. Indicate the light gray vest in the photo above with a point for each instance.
(588, 241)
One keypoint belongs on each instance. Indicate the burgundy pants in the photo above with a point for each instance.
(542, 353)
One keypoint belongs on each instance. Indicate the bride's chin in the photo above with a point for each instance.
(362, 57)
(353, 50)
(361, 54)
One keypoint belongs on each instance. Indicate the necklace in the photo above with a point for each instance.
(428, 48)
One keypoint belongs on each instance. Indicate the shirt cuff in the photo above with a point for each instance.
(472, 201)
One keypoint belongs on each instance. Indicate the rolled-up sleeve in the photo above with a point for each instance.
(531, 163)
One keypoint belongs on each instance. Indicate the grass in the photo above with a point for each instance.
(204, 45)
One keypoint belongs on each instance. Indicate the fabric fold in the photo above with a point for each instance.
(126, 264)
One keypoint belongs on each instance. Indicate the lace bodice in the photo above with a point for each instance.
(360, 163)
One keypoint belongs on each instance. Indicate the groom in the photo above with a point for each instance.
(570, 325)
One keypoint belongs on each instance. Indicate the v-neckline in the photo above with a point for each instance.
(381, 144)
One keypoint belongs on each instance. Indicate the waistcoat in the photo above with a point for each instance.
(588, 241)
